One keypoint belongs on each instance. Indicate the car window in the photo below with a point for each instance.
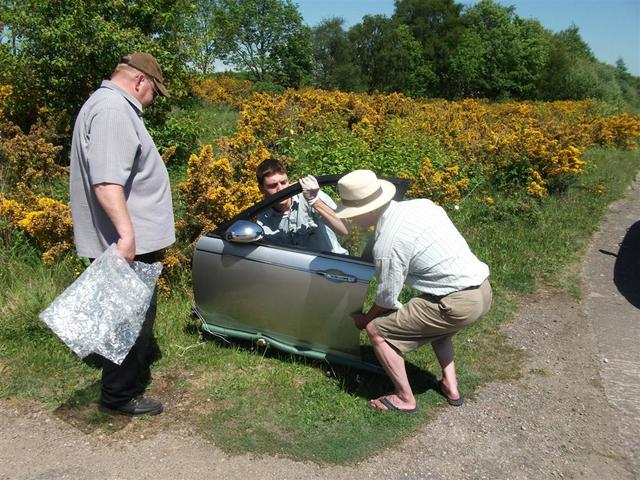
(299, 227)
(359, 240)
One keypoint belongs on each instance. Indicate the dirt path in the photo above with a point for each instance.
(575, 413)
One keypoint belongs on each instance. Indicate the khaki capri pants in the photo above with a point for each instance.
(428, 318)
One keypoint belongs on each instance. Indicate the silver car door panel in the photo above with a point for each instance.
(278, 292)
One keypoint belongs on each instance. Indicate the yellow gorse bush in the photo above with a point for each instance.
(537, 186)
(527, 147)
(44, 219)
(548, 139)
(223, 89)
(444, 186)
(213, 190)
(620, 131)
(27, 162)
(5, 93)
(543, 143)
(28, 157)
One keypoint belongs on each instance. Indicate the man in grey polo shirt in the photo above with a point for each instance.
(415, 244)
(120, 194)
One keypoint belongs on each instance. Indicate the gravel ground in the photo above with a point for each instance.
(574, 414)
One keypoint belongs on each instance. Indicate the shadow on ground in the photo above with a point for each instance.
(80, 411)
(357, 382)
(626, 272)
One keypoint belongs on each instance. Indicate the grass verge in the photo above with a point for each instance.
(268, 402)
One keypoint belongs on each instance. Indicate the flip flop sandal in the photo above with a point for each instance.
(391, 407)
(454, 403)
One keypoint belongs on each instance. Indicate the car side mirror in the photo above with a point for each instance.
(244, 231)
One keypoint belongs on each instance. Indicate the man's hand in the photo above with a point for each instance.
(310, 188)
(126, 248)
(361, 320)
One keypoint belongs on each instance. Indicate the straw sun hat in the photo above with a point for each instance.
(362, 192)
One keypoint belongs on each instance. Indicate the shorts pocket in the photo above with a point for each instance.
(462, 307)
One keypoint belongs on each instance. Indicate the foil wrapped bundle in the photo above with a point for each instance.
(103, 310)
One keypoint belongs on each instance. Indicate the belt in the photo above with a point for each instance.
(437, 298)
(469, 288)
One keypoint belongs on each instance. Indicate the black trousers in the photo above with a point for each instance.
(120, 383)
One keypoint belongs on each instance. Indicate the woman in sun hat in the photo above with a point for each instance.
(415, 244)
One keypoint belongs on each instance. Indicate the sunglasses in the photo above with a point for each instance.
(156, 92)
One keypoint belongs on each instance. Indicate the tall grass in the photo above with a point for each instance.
(268, 402)
(215, 122)
(33, 362)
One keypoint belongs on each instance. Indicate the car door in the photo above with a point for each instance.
(292, 295)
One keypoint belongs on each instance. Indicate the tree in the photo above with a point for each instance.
(390, 58)
(367, 40)
(572, 42)
(437, 26)
(467, 67)
(499, 54)
(7, 46)
(621, 66)
(335, 65)
(265, 37)
(65, 48)
(200, 38)
(400, 65)
(568, 72)
(294, 63)
(573, 73)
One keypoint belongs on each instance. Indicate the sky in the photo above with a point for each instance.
(611, 28)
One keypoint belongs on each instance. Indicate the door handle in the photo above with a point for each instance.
(337, 276)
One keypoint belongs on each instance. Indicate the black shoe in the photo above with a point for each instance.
(135, 407)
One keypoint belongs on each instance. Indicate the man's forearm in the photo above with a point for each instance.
(329, 216)
(113, 202)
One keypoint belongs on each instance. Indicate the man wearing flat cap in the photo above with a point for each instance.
(415, 244)
(120, 194)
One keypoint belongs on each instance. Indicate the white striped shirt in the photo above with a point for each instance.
(417, 244)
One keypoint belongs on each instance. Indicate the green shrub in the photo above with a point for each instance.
(265, 86)
(329, 152)
(398, 152)
(181, 131)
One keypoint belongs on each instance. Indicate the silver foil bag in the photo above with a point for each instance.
(103, 310)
